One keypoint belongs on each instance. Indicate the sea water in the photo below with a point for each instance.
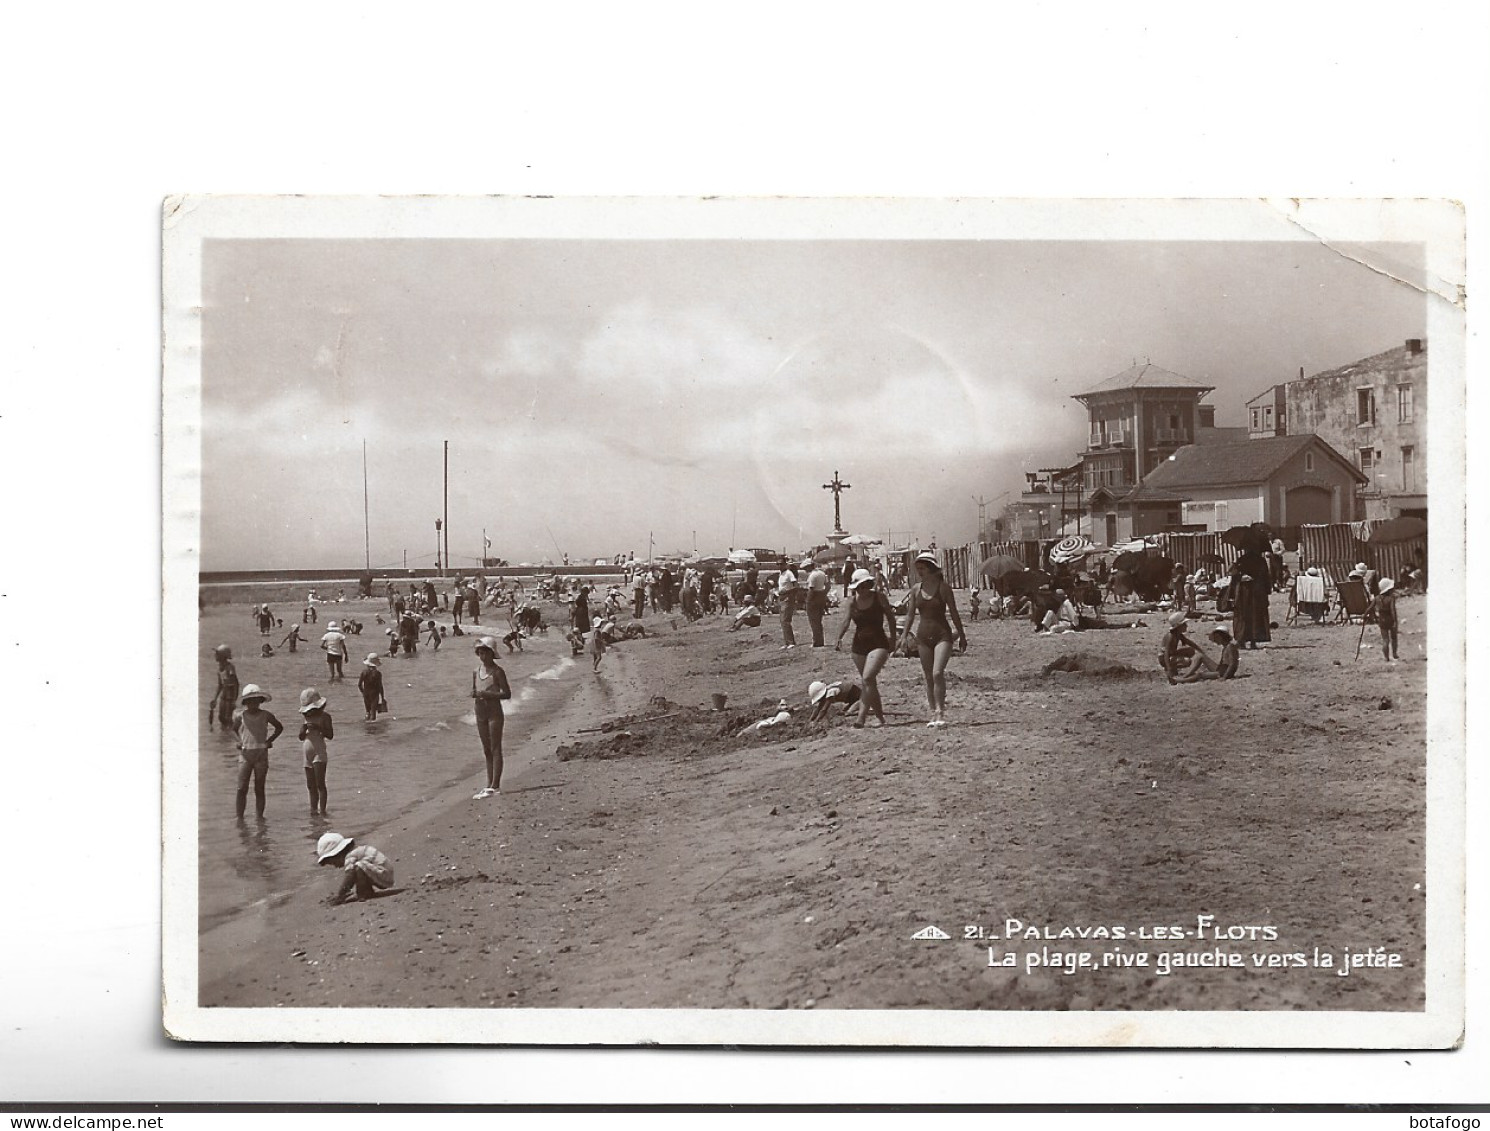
(376, 771)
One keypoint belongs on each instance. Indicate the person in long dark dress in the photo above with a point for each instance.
(1251, 583)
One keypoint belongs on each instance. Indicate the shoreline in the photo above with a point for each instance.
(404, 834)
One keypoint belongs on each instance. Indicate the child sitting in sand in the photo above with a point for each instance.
(748, 616)
(265, 650)
(315, 732)
(365, 870)
(1180, 658)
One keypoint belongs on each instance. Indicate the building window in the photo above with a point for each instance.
(1409, 472)
(1404, 406)
(1267, 416)
(1308, 461)
(1365, 406)
(1221, 512)
(1256, 423)
(1368, 459)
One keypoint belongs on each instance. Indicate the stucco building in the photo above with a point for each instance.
(1375, 412)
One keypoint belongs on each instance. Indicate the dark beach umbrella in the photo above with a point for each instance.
(1397, 530)
(1000, 565)
(832, 554)
(1211, 559)
(1248, 538)
(1129, 561)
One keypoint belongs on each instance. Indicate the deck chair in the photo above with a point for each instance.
(1353, 603)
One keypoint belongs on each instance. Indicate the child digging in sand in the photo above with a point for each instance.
(365, 870)
(315, 732)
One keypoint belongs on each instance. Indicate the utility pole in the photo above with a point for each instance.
(446, 559)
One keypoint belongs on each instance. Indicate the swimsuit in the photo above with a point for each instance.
(932, 611)
(869, 628)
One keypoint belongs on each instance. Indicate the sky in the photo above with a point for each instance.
(607, 396)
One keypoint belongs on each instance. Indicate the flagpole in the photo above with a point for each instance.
(446, 559)
(366, 531)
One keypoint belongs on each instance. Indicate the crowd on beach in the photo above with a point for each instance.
(925, 623)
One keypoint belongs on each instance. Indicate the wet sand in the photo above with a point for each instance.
(672, 862)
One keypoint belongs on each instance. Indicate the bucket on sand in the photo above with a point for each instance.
(719, 698)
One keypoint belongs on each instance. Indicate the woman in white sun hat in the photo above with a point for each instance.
(932, 603)
(489, 687)
(869, 612)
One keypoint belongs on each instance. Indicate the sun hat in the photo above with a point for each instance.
(310, 699)
(860, 577)
(930, 559)
(1360, 567)
(372, 661)
(816, 690)
(294, 626)
(1177, 618)
(333, 626)
(486, 642)
(1221, 632)
(1385, 584)
(329, 845)
(254, 691)
(806, 563)
(1313, 571)
(223, 650)
(750, 600)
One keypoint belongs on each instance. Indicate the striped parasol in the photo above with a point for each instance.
(1070, 549)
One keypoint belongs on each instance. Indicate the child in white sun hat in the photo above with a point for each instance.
(365, 870)
(315, 731)
(256, 729)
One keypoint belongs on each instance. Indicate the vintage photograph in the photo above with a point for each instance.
(814, 622)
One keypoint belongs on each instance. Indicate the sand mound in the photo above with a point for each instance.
(671, 729)
(1084, 663)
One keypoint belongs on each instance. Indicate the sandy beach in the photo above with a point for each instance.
(647, 852)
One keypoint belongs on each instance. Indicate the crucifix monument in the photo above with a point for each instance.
(838, 487)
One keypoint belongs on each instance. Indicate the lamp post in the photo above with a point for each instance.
(438, 569)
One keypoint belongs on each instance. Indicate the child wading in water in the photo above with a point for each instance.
(315, 732)
(365, 870)
(489, 687)
(596, 645)
(370, 683)
(221, 707)
(256, 729)
(292, 638)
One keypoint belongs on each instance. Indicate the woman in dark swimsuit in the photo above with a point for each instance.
(931, 602)
(868, 611)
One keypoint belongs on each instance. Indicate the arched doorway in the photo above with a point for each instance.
(1309, 506)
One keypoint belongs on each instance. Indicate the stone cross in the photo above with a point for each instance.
(838, 487)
